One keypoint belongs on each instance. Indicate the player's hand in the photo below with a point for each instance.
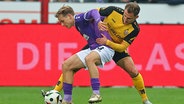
(102, 40)
(102, 26)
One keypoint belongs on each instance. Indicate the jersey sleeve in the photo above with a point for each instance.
(118, 47)
(92, 15)
(106, 11)
(126, 42)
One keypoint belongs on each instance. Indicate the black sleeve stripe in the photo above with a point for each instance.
(108, 10)
(130, 38)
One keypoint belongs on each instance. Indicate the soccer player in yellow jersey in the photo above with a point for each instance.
(123, 29)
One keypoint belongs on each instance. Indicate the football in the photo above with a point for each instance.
(52, 97)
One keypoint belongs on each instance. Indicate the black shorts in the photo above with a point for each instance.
(119, 55)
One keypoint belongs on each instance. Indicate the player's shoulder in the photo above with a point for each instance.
(113, 8)
(117, 9)
(79, 17)
(135, 25)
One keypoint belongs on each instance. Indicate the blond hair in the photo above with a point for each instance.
(64, 10)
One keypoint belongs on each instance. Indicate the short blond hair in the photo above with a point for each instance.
(64, 10)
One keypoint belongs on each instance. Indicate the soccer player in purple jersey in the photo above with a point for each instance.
(96, 55)
(123, 29)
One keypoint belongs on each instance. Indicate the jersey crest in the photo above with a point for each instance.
(126, 32)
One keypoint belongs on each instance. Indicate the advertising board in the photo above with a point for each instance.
(32, 55)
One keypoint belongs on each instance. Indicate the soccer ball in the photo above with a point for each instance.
(52, 97)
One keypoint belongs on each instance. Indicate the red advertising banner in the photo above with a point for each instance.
(32, 55)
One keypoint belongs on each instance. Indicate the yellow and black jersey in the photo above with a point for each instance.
(122, 35)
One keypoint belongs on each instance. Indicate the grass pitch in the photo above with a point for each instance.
(32, 95)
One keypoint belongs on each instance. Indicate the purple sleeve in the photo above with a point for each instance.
(92, 15)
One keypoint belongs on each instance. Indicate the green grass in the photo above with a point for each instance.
(32, 95)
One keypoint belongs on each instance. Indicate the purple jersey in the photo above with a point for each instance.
(87, 25)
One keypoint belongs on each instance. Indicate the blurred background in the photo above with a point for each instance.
(33, 44)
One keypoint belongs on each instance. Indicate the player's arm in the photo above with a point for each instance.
(119, 47)
(92, 15)
(127, 41)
